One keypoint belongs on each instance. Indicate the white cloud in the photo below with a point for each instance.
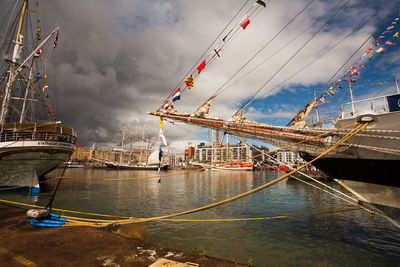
(119, 59)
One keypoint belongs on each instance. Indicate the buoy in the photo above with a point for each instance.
(37, 213)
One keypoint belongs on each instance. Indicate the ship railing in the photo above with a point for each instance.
(373, 105)
(36, 136)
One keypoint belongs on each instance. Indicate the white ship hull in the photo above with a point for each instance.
(23, 162)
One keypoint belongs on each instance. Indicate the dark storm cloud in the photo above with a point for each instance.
(118, 59)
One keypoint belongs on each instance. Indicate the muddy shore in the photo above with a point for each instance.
(24, 245)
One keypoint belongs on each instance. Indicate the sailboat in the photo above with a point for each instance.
(366, 164)
(32, 140)
(127, 159)
(225, 160)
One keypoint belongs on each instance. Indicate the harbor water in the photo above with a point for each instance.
(354, 238)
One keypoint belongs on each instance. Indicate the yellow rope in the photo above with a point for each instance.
(178, 173)
(210, 167)
(63, 210)
(103, 223)
(81, 223)
(138, 220)
(260, 218)
(248, 193)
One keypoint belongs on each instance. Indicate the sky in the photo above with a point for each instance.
(117, 60)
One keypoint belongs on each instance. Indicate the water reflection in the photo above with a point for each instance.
(354, 238)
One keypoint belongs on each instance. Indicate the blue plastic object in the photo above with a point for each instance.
(54, 220)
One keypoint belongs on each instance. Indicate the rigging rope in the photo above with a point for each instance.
(198, 61)
(219, 90)
(357, 50)
(185, 172)
(103, 223)
(251, 101)
(240, 196)
(271, 56)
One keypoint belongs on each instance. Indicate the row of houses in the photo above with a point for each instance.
(210, 154)
(200, 153)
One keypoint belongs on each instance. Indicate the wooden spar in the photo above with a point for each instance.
(21, 21)
(259, 131)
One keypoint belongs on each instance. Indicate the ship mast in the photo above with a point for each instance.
(28, 82)
(15, 57)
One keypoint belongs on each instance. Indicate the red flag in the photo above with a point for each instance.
(381, 50)
(245, 22)
(55, 40)
(361, 66)
(201, 66)
(349, 80)
(165, 105)
(355, 73)
(352, 67)
(390, 43)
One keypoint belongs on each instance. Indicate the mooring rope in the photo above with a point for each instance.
(73, 221)
(185, 172)
(223, 202)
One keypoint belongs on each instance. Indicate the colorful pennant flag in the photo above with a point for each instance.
(396, 35)
(322, 99)
(165, 105)
(189, 81)
(226, 36)
(370, 57)
(162, 136)
(161, 122)
(45, 87)
(201, 66)
(177, 95)
(389, 43)
(245, 22)
(55, 40)
(217, 52)
(38, 52)
(349, 80)
(380, 50)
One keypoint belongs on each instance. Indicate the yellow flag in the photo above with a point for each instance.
(396, 35)
(161, 123)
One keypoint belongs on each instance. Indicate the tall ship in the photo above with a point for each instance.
(362, 92)
(32, 139)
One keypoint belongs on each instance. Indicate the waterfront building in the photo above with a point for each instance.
(222, 153)
(289, 157)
